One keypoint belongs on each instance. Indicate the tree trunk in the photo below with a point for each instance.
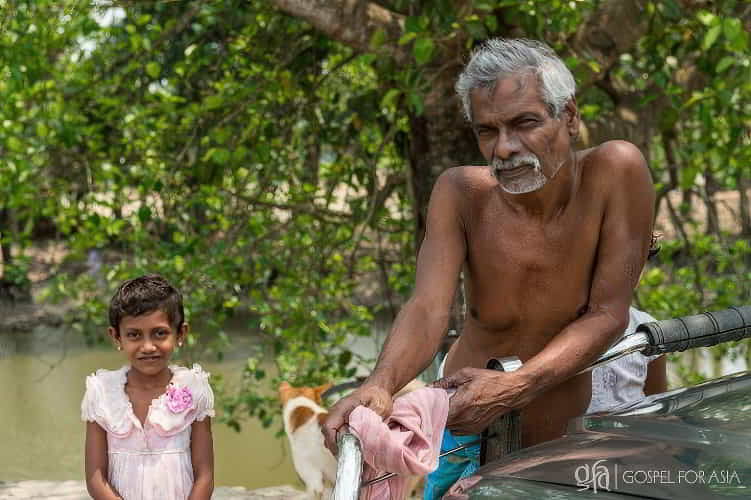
(439, 139)
(743, 205)
(5, 255)
(713, 220)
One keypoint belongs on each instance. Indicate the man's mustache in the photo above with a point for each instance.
(515, 162)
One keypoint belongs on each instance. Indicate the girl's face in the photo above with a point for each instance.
(148, 341)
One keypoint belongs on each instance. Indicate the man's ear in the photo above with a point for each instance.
(571, 115)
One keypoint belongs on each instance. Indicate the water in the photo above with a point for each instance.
(42, 377)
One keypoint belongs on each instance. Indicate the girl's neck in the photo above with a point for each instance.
(143, 381)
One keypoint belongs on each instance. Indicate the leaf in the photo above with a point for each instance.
(179, 264)
(14, 144)
(671, 10)
(344, 358)
(687, 176)
(153, 69)
(724, 64)
(144, 213)
(377, 39)
(476, 30)
(735, 35)
(492, 23)
(390, 98)
(415, 101)
(412, 24)
(220, 156)
(695, 97)
(42, 130)
(711, 37)
(423, 50)
(368, 58)
(484, 5)
(407, 37)
(706, 18)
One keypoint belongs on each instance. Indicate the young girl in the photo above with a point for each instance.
(148, 430)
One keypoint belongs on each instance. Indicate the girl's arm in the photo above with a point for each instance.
(202, 456)
(96, 464)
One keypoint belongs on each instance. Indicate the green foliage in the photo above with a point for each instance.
(264, 167)
(238, 164)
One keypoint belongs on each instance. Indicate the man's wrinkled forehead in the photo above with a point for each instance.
(522, 87)
(514, 84)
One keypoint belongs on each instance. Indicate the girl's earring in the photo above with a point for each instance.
(119, 347)
(179, 344)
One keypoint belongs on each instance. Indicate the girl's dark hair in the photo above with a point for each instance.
(144, 295)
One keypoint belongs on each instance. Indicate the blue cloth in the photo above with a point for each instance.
(454, 467)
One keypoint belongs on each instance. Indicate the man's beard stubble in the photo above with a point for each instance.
(532, 180)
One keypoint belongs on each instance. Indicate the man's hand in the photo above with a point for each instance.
(481, 397)
(373, 397)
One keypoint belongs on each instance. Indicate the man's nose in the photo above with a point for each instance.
(506, 145)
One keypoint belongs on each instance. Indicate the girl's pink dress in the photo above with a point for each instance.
(149, 462)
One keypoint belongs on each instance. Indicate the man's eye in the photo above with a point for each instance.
(527, 122)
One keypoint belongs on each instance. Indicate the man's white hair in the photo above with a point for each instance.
(499, 58)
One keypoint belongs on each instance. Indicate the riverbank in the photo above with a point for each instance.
(76, 490)
(24, 317)
(46, 259)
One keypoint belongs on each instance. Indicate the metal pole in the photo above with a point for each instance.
(506, 429)
(349, 467)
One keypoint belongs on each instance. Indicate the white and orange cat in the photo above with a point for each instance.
(303, 413)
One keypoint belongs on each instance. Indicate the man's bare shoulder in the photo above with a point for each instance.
(614, 157)
(469, 179)
(613, 165)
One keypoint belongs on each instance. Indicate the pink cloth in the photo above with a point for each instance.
(407, 442)
(150, 461)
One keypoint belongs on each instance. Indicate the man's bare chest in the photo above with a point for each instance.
(518, 272)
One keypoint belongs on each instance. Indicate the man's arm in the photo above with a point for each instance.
(421, 323)
(625, 236)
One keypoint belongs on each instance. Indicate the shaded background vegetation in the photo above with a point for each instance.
(274, 158)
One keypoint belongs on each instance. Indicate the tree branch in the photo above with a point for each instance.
(353, 23)
(320, 213)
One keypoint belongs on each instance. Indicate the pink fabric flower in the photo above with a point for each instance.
(179, 399)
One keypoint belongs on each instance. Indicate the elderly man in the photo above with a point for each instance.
(551, 241)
